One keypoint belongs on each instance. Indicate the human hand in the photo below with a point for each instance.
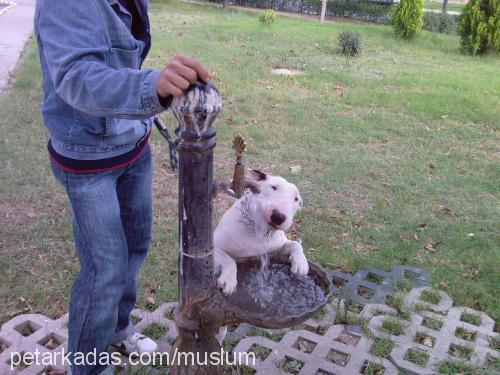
(179, 74)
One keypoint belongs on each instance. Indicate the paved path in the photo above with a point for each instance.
(16, 26)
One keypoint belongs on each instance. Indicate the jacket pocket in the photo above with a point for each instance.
(123, 58)
(92, 124)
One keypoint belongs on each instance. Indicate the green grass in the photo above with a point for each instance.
(439, 6)
(393, 326)
(391, 136)
(370, 368)
(464, 334)
(432, 324)
(456, 367)
(417, 356)
(382, 347)
(155, 331)
(260, 352)
(275, 336)
(471, 318)
(289, 365)
(460, 351)
(430, 296)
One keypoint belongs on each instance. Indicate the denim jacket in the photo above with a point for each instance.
(98, 102)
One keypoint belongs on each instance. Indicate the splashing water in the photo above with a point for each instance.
(266, 290)
(274, 290)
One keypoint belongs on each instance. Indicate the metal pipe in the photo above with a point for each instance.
(195, 111)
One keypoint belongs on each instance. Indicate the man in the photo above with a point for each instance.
(98, 107)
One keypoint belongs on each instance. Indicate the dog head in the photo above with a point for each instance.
(278, 200)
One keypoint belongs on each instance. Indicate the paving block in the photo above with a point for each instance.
(415, 297)
(441, 340)
(338, 351)
(372, 285)
(436, 332)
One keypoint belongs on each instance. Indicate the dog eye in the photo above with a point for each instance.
(274, 187)
(296, 199)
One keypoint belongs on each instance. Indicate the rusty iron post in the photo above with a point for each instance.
(195, 111)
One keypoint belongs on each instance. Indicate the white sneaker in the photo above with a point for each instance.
(136, 343)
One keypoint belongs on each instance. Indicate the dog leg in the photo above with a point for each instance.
(297, 257)
(227, 266)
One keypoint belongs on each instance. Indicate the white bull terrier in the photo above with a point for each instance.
(243, 229)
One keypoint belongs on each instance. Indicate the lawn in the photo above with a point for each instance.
(396, 153)
(439, 5)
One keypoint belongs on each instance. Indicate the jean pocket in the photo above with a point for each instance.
(123, 58)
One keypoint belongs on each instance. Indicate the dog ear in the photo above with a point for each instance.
(258, 175)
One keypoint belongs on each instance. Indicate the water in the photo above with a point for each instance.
(265, 287)
(270, 289)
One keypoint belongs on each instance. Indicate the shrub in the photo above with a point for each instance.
(350, 43)
(408, 18)
(480, 26)
(441, 23)
(267, 17)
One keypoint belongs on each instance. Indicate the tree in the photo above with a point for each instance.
(408, 18)
(225, 5)
(445, 6)
(480, 27)
(323, 11)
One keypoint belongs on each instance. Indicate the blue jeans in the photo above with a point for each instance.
(112, 218)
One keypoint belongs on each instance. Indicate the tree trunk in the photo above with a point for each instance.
(445, 6)
(323, 11)
(226, 4)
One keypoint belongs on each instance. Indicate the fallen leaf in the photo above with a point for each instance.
(430, 247)
(359, 220)
(295, 169)
(415, 236)
(150, 300)
(363, 249)
(442, 285)
(338, 90)
(428, 342)
(445, 209)
(51, 344)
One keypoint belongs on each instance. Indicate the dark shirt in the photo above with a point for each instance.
(138, 30)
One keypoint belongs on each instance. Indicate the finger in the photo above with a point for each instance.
(196, 66)
(172, 89)
(185, 71)
(177, 80)
(165, 88)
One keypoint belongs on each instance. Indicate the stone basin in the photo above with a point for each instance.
(284, 300)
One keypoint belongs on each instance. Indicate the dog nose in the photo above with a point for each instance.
(277, 218)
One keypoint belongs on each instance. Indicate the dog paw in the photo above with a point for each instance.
(299, 264)
(227, 282)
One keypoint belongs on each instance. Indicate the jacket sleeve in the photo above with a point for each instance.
(75, 50)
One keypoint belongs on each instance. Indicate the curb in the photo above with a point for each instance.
(11, 5)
